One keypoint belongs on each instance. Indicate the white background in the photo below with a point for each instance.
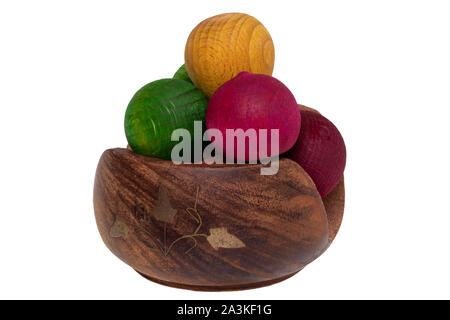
(380, 70)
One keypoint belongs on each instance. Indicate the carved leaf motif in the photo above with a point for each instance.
(119, 229)
(163, 210)
(220, 238)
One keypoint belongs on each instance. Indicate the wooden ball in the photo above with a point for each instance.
(254, 101)
(221, 47)
(305, 108)
(334, 202)
(182, 74)
(159, 108)
(216, 227)
(320, 150)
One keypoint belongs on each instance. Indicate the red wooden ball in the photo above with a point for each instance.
(320, 151)
(255, 101)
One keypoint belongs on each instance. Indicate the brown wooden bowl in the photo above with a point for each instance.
(212, 227)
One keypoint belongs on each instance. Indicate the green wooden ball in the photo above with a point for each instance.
(182, 74)
(159, 108)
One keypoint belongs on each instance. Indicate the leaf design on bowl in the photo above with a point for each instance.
(119, 229)
(221, 238)
(163, 210)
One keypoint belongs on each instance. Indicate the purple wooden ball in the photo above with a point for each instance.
(255, 101)
(320, 151)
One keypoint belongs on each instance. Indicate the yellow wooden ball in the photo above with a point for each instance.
(221, 47)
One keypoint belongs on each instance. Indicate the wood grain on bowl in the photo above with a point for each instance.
(334, 204)
(205, 227)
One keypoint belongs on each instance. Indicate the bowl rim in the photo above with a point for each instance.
(204, 165)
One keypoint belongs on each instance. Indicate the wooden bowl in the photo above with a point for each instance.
(212, 227)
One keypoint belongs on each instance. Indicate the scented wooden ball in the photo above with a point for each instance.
(254, 101)
(159, 108)
(221, 47)
(305, 108)
(320, 151)
(334, 201)
(182, 74)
